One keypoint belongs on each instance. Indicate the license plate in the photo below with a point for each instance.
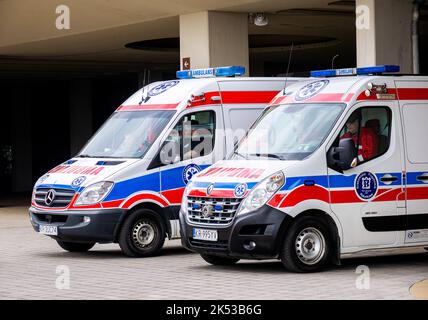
(48, 230)
(204, 234)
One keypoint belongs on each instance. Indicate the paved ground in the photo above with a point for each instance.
(28, 265)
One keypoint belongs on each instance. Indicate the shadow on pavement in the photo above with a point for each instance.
(347, 264)
(111, 253)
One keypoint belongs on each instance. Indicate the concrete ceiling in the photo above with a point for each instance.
(100, 29)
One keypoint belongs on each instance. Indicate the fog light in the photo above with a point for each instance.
(250, 245)
(86, 219)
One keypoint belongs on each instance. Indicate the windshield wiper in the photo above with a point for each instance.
(268, 155)
(241, 155)
(84, 156)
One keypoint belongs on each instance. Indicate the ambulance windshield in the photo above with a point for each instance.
(289, 132)
(127, 134)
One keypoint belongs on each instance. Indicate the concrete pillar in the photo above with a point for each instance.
(214, 39)
(80, 114)
(383, 30)
(22, 173)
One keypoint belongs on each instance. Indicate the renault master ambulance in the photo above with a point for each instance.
(337, 165)
(126, 184)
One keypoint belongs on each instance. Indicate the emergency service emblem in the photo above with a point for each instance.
(366, 185)
(310, 90)
(161, 88)
(240, 190)
(78, 181)
(189, 171)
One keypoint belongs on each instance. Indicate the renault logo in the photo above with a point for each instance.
(207, 211)
(50, 197)
(210, 189)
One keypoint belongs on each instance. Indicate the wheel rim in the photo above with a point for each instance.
(143, 233)
(310, 246)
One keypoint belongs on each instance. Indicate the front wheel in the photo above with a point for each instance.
(75, 246)
(218, 261)
(142, 234)
(306, 246)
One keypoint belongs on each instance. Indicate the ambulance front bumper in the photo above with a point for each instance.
(255, 235)
(80, 226)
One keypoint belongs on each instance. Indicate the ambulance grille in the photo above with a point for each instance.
(212, 210)
(62, 197)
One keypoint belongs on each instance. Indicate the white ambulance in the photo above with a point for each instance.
(126, 184)
(337, 165)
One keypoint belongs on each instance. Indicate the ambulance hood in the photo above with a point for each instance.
(82, 172)
(248, 171)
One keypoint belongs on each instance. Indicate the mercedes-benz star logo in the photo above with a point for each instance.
(50, 197)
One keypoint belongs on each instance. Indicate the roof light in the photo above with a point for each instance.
(355, 71)
(211, 72)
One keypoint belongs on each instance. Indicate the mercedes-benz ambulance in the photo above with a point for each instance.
(336, 165)
(126, 184)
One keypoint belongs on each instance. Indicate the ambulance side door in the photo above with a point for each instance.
(189, 147)
(369, 198)
(415, 118)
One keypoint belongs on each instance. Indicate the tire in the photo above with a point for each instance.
(426, 248)
(218, 261)
(311, 233)
(142, 234)
(76, 246)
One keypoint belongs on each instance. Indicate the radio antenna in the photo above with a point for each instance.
(288, 67)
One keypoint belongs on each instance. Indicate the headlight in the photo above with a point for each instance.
(94, 193)
(261, 193)
(184, 200)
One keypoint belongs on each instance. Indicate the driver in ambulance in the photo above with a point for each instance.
(364, 138)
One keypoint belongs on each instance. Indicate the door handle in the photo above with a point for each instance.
(388, 179)
(423, 177)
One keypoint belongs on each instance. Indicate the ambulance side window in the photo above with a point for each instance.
(370, 129)
(192, 137)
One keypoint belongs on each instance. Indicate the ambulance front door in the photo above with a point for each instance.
(369, 198)
(191, 146)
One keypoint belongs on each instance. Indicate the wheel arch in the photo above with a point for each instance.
(332, 226)
(153, 206)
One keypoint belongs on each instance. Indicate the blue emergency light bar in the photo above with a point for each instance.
(355, 71)
(211, 72)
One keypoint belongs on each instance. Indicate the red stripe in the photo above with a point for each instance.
(413, 93)
(197, 193)
(305, 193)
(388, 195)
(417, 193)
(247, 96)
(236, 97)
(401, 93)
(321, 97)
(174, 196)
(148, 107)
(276, 199)
(112, 204)
(144, 196)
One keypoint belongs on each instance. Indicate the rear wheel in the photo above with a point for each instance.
(142, 234)
(218, 261)
(307, 245)
(76, 246)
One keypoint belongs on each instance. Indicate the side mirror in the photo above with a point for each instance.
(343, 156)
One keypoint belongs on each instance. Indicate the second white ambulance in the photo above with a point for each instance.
(335, 166)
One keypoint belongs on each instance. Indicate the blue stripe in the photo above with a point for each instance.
(293, 182)
(123, 189)
(412, 177)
